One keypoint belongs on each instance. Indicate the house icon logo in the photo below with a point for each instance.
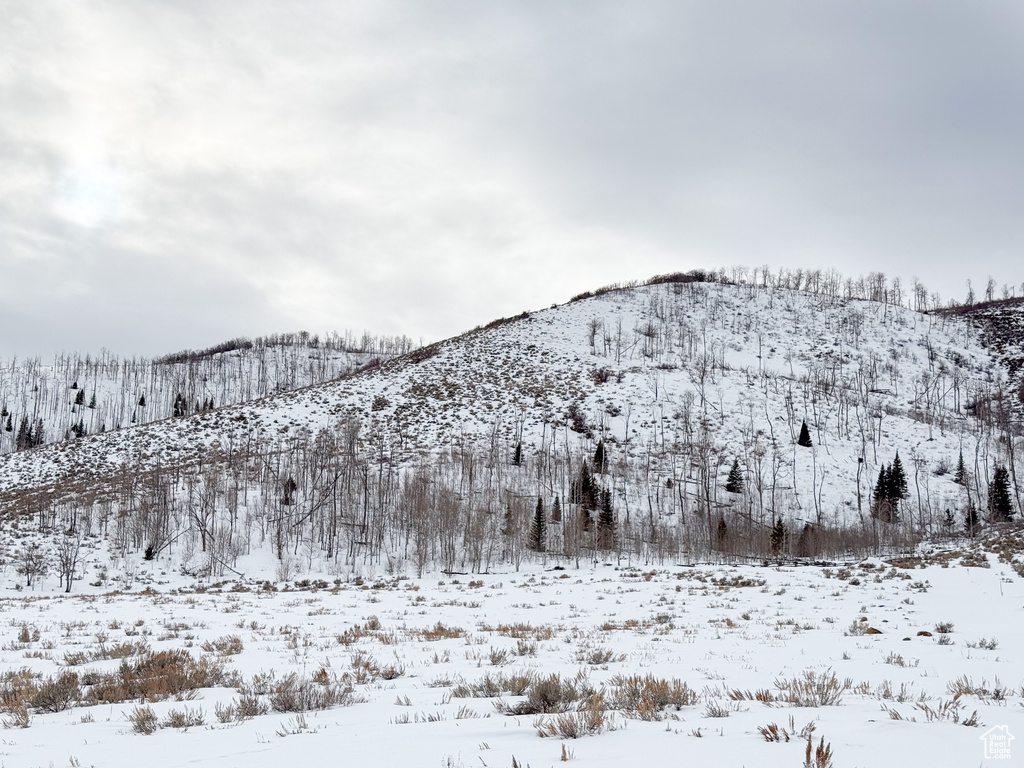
(997, 742)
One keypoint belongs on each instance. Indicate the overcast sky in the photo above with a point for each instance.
(173, 174)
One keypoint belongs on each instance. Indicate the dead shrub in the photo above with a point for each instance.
(441, 632)
(143, 720)
(492, 685)
(184, 718)
(646, 698)
(592, 718)
(813, 689)
(551, 694)
(295, 694)
(57, 694)
(156, 676)
(228, 645)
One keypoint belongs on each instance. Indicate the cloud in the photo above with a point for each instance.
(241, 168)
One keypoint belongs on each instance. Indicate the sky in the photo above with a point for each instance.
(174, 174)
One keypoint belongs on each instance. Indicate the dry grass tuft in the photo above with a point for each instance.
(646, 698)
(813, 689)
(592, 718)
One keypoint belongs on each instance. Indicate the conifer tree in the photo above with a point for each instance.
(778, 539)
(734, 483)
(1000, 504)
(600, 458)
(961, 477)
(971, 522)
(556, 511)
(539, 527)
(22, 439)
(80, 397)
(897, 480)
(606, 523)
(805, 436)
(517, 456)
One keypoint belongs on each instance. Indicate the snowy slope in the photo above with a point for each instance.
(734, 369)
(83, 394)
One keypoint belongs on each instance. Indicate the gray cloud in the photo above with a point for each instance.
(175, 174)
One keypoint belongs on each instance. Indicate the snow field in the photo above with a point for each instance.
(414, 655)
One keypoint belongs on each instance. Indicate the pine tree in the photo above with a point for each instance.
(538, 529)
(971, 522)
(9, 427)
(778, 539)
(556, 511)
(23, 439)
(722, 533)
(80, 397)
(517, 456)
(1000, 504)
(142, 401)
(92, 401)
(600, 459)
(805, 436)
(897, 480)
(583, 491)
(606, 523)
(881, 492)
(961, 477)
(734, 483)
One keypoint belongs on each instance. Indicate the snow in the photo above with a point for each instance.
(717, 628)
(737, 366)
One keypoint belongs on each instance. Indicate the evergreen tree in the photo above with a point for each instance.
(142, 401)
(971, 522)
(722, 533)
(1000, 504)
(778, 539)
(884, 501)
(961, 477)
(897, 480)
(606, 523)
(9, 427)
(734, 483)
(539, 527)
(600, 459)
(556, 511)
(80, 397)
(583, 490)
(92, 401)
(517, 456)
(805, 436)
(23, 439)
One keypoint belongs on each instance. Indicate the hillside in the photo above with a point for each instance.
(77, 395)
(678, 380)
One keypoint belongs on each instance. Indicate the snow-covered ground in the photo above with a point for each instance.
(404, 646)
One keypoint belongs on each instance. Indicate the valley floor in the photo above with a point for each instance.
(418, 664)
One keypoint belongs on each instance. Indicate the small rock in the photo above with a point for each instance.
(872, 631)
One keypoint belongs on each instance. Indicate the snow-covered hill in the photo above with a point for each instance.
(678, 379)
(76, 395)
